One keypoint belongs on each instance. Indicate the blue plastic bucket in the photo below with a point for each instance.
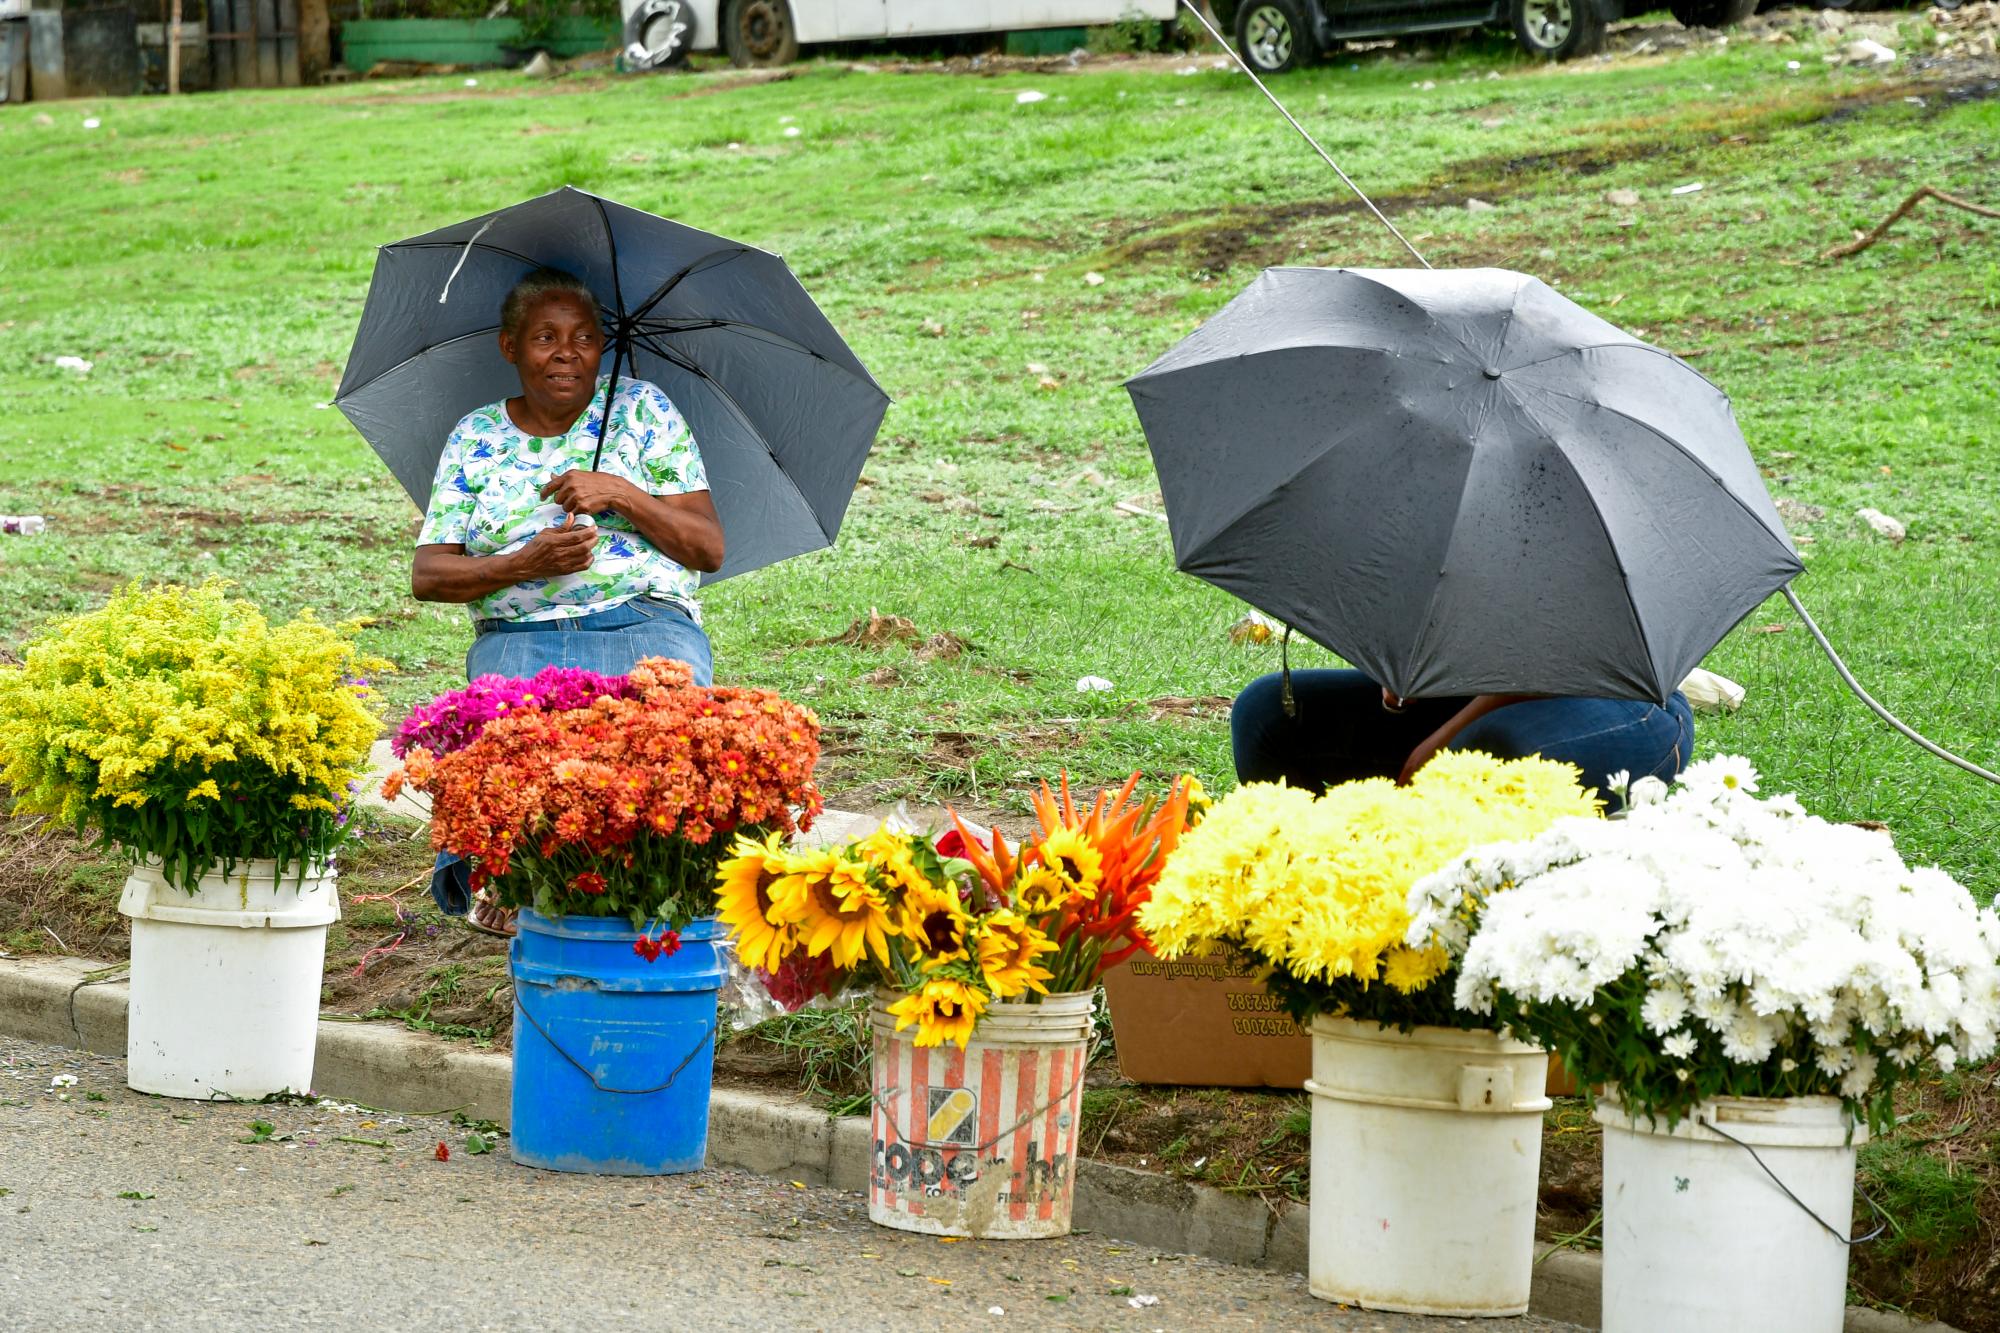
(613, 1056)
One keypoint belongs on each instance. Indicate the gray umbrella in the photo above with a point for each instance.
(1461, 482)
(782, 411)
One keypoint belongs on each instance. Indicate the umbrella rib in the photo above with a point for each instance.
(736, 326)
(420, 352)
(660, 292)
(755, 333)
(1684, 452)
(461, 245)
(1223, 527)
(674, 358)
(1612, 347)
(1610, 544)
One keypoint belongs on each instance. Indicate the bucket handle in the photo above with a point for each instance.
(707, 1035)
(1022, 1123)
(1708, 1122)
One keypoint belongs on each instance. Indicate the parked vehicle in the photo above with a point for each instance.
(1279, 35)
(770, 32)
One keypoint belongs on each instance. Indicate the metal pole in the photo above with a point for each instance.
(174, 50)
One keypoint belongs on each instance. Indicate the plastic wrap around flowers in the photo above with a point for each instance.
(1712, 944)
(956, 925)
(1317, 886)
(621, 804)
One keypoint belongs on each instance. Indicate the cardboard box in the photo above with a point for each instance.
(1203, 1021)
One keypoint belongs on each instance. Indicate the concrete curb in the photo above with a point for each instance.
(57, 1002)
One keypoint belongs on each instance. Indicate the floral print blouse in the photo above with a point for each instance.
(487, 498)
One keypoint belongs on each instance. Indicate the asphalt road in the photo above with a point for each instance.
(122, 1211)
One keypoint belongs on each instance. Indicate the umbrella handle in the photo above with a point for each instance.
(1285, 695)
(610, 392)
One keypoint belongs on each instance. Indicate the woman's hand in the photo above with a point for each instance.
(443, 572)
(684, 528)
(556, 551)
(582, 492)
(1480, 706)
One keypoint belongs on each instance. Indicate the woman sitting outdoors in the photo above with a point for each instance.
(560, 563)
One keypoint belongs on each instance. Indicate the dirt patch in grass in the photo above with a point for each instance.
(57, 895)
(1258, 235)
(395, 956)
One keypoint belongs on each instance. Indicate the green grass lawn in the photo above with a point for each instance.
(210, 256)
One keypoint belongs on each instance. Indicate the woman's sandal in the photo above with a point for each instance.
(489, 917)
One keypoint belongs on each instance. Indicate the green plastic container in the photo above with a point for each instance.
(365, 42)
(1045, 41)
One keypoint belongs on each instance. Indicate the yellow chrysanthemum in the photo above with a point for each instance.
(936, 922)
(944, 1010)
(744, 901)
(1413, 969)
(1320, 886)
(1074, 857)
(1039, 891)
(1007, 949)
(836, 910)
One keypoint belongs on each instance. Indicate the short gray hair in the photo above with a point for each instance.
(537, 287)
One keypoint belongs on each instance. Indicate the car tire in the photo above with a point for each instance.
(1275, 36)
(1711, 13)
(759, 33)
(651, 41)
(1557, 29)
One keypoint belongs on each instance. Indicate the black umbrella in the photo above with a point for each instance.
(782, 411)
(1461, 482)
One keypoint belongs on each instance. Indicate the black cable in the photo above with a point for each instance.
(1869, 699)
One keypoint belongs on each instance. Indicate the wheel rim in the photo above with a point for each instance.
(1547, 21)
(663, 32)
(1267, 36)
(763, 27)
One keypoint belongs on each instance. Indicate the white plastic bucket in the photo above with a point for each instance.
(980, 1142)
(226, 981)
(1697, 1235)
(1426, 1152)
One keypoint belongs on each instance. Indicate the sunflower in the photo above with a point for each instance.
(829, 900)
(744, 889)
(1075, 857)
(1040, 891)
(935, 921)
(894, 858)
(945, 1009)
(1007, 949)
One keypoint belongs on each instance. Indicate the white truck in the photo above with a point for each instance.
(770, 32)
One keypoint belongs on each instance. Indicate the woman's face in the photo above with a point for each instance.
(556, 349)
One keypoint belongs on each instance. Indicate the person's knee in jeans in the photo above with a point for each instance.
(1256, 725)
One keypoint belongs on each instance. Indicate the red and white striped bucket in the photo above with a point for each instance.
(980, 1142)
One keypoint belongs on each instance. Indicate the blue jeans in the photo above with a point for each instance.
(1342, 732)
(610, 642)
